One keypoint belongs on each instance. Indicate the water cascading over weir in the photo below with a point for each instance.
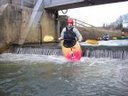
(42, 22)
(101, 51)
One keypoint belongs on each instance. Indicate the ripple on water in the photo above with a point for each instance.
(38, 75)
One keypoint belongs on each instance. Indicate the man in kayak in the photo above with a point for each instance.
(70, 34)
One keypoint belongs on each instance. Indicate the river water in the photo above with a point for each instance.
(40, 75)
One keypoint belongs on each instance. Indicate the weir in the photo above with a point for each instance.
(120, 52)
(115, 52)
(43, 49)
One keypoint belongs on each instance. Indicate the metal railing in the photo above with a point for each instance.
(81, 23)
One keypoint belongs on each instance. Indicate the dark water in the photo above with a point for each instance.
(38, 75)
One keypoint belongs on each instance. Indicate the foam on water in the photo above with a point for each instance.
(109, 43)
(32, 58)
(40, 75)
(40, 58)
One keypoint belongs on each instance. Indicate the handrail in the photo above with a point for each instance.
(79, 23)
(82, 23)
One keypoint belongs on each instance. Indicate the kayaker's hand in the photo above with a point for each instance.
(59, 38)
(79, 41)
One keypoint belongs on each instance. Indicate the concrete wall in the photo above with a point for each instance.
(10, 22)
(45, 31)
(27, 3)
(48, 27)
(13, 22)
(33, 35)
(2, 2)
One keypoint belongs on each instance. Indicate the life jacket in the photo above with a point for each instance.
(69, 38)
(69, 34)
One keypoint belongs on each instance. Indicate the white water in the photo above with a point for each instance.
(41, 75)
(109, 43)
(10, 57)
(32, 58)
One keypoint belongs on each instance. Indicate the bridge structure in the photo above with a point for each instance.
(67, 4)
(60, 4)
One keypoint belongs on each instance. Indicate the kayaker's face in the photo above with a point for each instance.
(70, 25)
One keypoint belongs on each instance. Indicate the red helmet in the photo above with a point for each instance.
(70, 21)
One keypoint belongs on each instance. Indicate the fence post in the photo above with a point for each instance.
(75, 22)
